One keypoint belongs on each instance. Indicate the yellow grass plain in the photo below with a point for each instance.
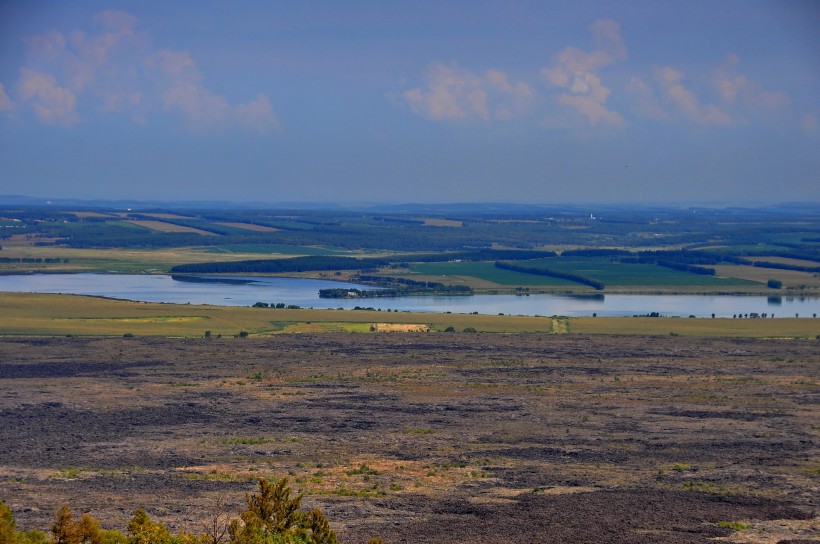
(49, 315)
(162, 226)
(790, 278)
(46, 314)
(249, 226)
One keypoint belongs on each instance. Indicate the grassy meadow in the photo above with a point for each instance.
(48, 315)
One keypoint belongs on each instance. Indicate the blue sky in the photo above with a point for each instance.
(696, 102)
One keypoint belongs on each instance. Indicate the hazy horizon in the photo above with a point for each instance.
(697, 103)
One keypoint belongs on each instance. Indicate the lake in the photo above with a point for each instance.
(245, 291)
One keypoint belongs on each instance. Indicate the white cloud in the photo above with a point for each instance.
(735, 88)
(78, 58)
(185, 92)
(456, 94)
(685, 101)
(52, 103)
(6, 103)
(666, 96)
(575, 70)
(257, 114)
(176, 63)
(117, 70)
(646, 103)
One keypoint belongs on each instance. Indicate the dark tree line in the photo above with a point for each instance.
(333, 263)
(541, 271)
(691, 268)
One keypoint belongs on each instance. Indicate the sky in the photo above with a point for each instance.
(662, 102)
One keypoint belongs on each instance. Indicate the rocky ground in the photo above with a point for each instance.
(424, 437)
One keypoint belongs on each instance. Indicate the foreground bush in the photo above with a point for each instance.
(272, 516)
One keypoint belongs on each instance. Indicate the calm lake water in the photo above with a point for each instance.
(243, 291)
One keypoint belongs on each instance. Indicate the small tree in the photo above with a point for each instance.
(143, 530)
(64, 529)
(320, 528)
(273, 515)
(89, 528)
(67, 530)
(7, 524)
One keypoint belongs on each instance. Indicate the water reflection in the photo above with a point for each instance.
(246, 291)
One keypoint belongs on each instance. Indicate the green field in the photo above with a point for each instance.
(487, 271)
(614, 274)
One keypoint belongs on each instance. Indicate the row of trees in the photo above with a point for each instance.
(332, 263)
(691, 268)
(30, 260)
(272, 516)
(541, 271)
(785, 266)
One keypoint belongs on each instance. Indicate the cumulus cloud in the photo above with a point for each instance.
(575, 71)
(456, 94)
(667, 96)
(77, 58)
(117, 70)
(257, 114)
(735, 87)
(52, 103)
(646, 101)
(685, 101)
(186, 93)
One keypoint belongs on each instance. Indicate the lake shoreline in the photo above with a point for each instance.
(246, 290)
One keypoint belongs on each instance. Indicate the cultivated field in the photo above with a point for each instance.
(618, 277)
(424, 437)
(248, 226)
(793, 279)
(131, 260)
(162, 226)
(39, 314)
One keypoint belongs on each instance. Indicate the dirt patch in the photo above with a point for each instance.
(162, 226)
(422, 437)
(401, 327)
(249, 226)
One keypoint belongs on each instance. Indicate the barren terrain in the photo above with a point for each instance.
(424, 437)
